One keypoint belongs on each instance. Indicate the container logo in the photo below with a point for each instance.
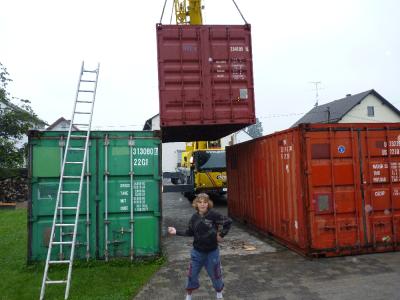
(341, 149)
(189, 48)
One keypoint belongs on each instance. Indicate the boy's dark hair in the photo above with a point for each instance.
(205, 197)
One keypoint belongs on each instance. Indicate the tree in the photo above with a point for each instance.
(255, 130)
(15, 121)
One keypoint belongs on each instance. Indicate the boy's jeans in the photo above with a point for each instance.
(212, 262)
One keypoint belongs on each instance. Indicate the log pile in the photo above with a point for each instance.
(14, 189)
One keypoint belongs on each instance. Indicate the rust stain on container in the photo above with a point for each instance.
(322, 189)
(205, 77)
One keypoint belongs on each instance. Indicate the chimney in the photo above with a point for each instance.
(348, 95)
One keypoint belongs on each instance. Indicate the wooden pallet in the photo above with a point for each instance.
(7, 205)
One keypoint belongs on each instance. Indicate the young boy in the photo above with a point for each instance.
(208, 227)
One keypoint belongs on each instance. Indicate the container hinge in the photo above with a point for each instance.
(327, 228)
(116, 242)
(80, 244)
(131, 221)
(348, 226)
(122, 231)
(69, 233)
(88, 223)
(88, 174)
(107, 222)
(131, 173)
(106, 141)
(106, 173)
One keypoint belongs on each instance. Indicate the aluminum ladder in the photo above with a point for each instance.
(72, 173)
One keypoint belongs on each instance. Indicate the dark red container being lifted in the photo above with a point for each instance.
(322, 190)
(205, 78)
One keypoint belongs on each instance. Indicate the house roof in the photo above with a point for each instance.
(17, 108)
(334, 111)
(147, 124)
(60, 120)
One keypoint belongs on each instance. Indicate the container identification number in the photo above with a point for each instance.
(145, 151)
(239, 49)
(140, 161)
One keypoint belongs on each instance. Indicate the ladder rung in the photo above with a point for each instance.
(62, 243)
(77, 124)
(64, 225)
(82, 113)
(74, 162)
(78, 136)
(59, 261)
(90, 71)
(55, 281)
(77, 149)
(68, 207)
(71, 177)
(85, 80)
(69, 192)
(86, 91)
(84, 101)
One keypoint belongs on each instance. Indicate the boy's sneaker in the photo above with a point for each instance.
(188, 297)
(219, 295)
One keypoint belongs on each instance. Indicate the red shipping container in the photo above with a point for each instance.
(205, 75)
(321, 189)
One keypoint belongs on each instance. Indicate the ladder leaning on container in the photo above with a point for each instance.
(72, 174)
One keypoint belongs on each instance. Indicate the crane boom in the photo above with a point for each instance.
(188, 12)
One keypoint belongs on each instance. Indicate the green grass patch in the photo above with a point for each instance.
(117, 279)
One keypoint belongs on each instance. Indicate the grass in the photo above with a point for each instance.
(118, 279)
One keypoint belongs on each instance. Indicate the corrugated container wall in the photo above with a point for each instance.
(205, 78)
(123, 168)
(322, 190)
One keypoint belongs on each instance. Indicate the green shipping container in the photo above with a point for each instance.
(123, 171)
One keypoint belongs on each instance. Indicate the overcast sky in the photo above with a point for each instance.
(349, 45)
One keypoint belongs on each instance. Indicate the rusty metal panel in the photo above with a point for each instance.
(205, 77)
(322, 190)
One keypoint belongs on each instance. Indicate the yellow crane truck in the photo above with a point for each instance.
(202, 170)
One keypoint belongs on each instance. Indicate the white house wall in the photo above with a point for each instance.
(171, 155)
(359, 113)
(235, 138)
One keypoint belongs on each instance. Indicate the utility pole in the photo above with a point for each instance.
(316, 91)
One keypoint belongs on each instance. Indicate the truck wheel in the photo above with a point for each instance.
(190, 196)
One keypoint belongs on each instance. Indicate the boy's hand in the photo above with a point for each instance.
(219, 238)
(172, 230)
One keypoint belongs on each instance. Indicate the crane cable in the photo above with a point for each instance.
(172, 12)
(165, 3)
(240, 12)
(162, 14)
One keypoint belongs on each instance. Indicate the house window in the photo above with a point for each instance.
(370, 111)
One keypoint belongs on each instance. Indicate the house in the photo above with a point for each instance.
(6, 105)
(171, 152)
(61, 125)
(365, 107)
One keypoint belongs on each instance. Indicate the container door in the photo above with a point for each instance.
(46, 153)
(334, 191)
(129, 210)
(381, 154)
